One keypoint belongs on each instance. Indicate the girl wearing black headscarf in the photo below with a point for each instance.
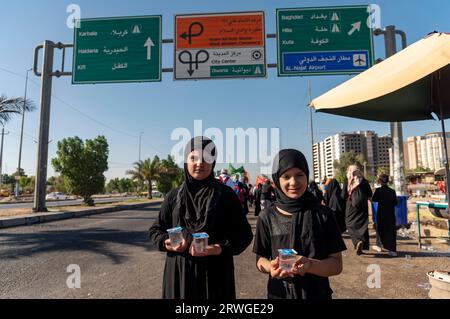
(201, 204)
(297, 221)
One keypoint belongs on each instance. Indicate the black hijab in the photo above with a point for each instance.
(285, 160)
(199, 196)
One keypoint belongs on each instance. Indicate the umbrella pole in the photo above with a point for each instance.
(444, 138)
(446, 158)
(447, 184)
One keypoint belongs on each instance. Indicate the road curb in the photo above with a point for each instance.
(9, 222)
(59, 201)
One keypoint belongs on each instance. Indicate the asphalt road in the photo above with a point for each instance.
(117, 260)
(65, 202)
(113, 252)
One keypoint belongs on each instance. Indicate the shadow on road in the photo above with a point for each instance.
(118, 217)
(94, 240)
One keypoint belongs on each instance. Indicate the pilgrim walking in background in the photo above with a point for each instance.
(297, 221)
(267, 195)
(385, 219)
(251, 190)
(257, 194)
(357, 192)
(241, 194)
(226, 179)
(333, 199)
(316, 191)
(201, 204)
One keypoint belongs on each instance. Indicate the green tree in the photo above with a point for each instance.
(58, 184)
(169, 175)
(112, 186)
(347, 159)
(83, 164)
(8, 181)
(121, 185)
(146, 172)
(383, 171)
(420, 169)
(27, 183)
(13, 106)
(126, 185)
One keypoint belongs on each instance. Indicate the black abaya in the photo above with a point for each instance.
(386, 228)
(201, 206)
(333, 199)
(257, 195)
(203, 278)
(357, 213)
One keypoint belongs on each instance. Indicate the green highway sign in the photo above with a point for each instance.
(324, 40)
(117, 50)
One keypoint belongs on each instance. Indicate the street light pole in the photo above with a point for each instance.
(396, 127)
(1, 155)
(140, 138)
(21, 135)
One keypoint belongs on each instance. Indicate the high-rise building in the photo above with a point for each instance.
(374, 149)
(426, 151)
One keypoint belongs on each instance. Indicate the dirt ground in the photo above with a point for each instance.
(402, 277)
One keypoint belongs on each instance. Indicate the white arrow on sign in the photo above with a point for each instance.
(149, 44)
(356, 27)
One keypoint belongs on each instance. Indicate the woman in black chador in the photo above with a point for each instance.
(201, 204)
(333, 199)
(386, 228)
(297, 221)
(357, 192)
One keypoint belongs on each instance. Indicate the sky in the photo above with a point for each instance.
(121, 112)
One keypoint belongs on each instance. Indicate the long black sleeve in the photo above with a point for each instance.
(158, 232)
(344, 193)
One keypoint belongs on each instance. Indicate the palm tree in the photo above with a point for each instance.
(146, 171)
(171, 175)
(11, 106)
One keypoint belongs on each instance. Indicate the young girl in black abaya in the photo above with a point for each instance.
(297, 221)
(201, 204)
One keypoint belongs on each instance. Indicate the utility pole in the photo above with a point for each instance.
(396, 127)
(311, 126)
(1, 155)
(21, 135)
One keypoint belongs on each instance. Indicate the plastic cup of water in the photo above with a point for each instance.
(287, 258)
(200, 242)
(175, 236)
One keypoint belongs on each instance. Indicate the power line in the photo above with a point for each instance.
(80, 112)
(12, 72)
(92, 119)
(18, 135)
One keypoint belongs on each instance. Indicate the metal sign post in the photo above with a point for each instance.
(44, 125)
(44, 120)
